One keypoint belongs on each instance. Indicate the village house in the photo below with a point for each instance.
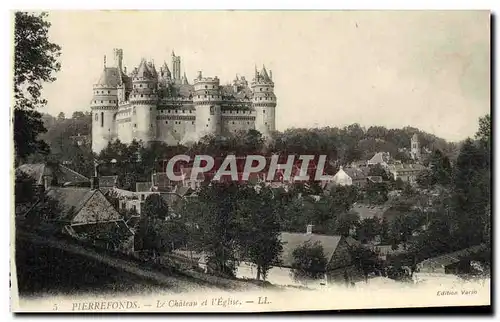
(406, 172)
(353, 176)
(85, 214)
(337, 250)
(46, 175)
(458, 262)
(381, 158)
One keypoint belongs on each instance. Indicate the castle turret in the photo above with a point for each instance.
(104, 106)
(143, 99)
(264, 102)
(206, 99)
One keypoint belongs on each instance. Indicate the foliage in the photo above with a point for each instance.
(35, 61)
(259, 229)
(155, 207)
(366, 260)
(309, 261)
(24, 192)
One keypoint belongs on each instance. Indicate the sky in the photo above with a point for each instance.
(426, 69)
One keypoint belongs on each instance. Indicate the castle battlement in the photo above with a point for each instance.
(163, 106)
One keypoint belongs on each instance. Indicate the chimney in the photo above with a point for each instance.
(94, 183)
(199, 74)
(309, 229)
(46, 182)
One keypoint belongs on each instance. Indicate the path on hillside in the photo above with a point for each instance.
(55, 252)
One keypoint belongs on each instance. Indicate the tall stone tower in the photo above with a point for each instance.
(206, 99)
(415, 147)
(144, 98)
(176, 67)
(104, 106)
(264, 102)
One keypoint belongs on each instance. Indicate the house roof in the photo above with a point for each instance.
(107, 181)
(292, 241)
(406, 167)
(71, 200)
(63, 174)
(143, 186)
(455, 257)
(357, 173)
(369, 211)
(103, 230)
(379, 157)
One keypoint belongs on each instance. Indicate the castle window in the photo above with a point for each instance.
(183, 111)
(101, 102)
(261, 89)
(109, 92)
(102, 119)
(140, 85)
(248, 122)
(192, 122)
(168, 111)
(209, 120)
(265, 123)
(264, 111)
(141, 95)
(198, 96)
(96, 117)
(176, 111)
(135, 125)
(166, 122)
(135, 86)
(233, 122)
(206, 86)
(207, 125)
(205, 96)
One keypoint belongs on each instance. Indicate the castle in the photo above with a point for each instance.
(151, 105)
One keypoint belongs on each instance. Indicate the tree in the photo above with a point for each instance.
(35, 61)
(259, 229)
(309, 261)
(155, 207)
(213, 225)
(366, 260)
(61, 116)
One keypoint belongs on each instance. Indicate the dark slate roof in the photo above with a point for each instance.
(104, 229)
(71, 200)
(143, 70)
(357, 173)
(63, 174)
(292, 241)
(455, 257)
(110, 77)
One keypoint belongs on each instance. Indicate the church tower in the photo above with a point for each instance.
(415, 147)
(144, 98)
(264, 102)
(104, 106)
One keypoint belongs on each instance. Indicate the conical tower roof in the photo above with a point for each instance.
(264, 75)
(109, 77)
(143, 70)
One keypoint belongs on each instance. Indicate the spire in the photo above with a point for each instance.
(104, 61)
(264, 74)
(173, 53)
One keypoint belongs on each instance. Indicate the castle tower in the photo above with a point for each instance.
(264, 102)
(176, 67)
(206, 99)
(144, 99)
(104, 106)
(415, 147)
(121, 86)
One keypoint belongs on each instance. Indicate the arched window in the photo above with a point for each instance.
(96, 117)
(102, 119)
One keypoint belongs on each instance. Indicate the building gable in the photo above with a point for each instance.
(96, 209)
